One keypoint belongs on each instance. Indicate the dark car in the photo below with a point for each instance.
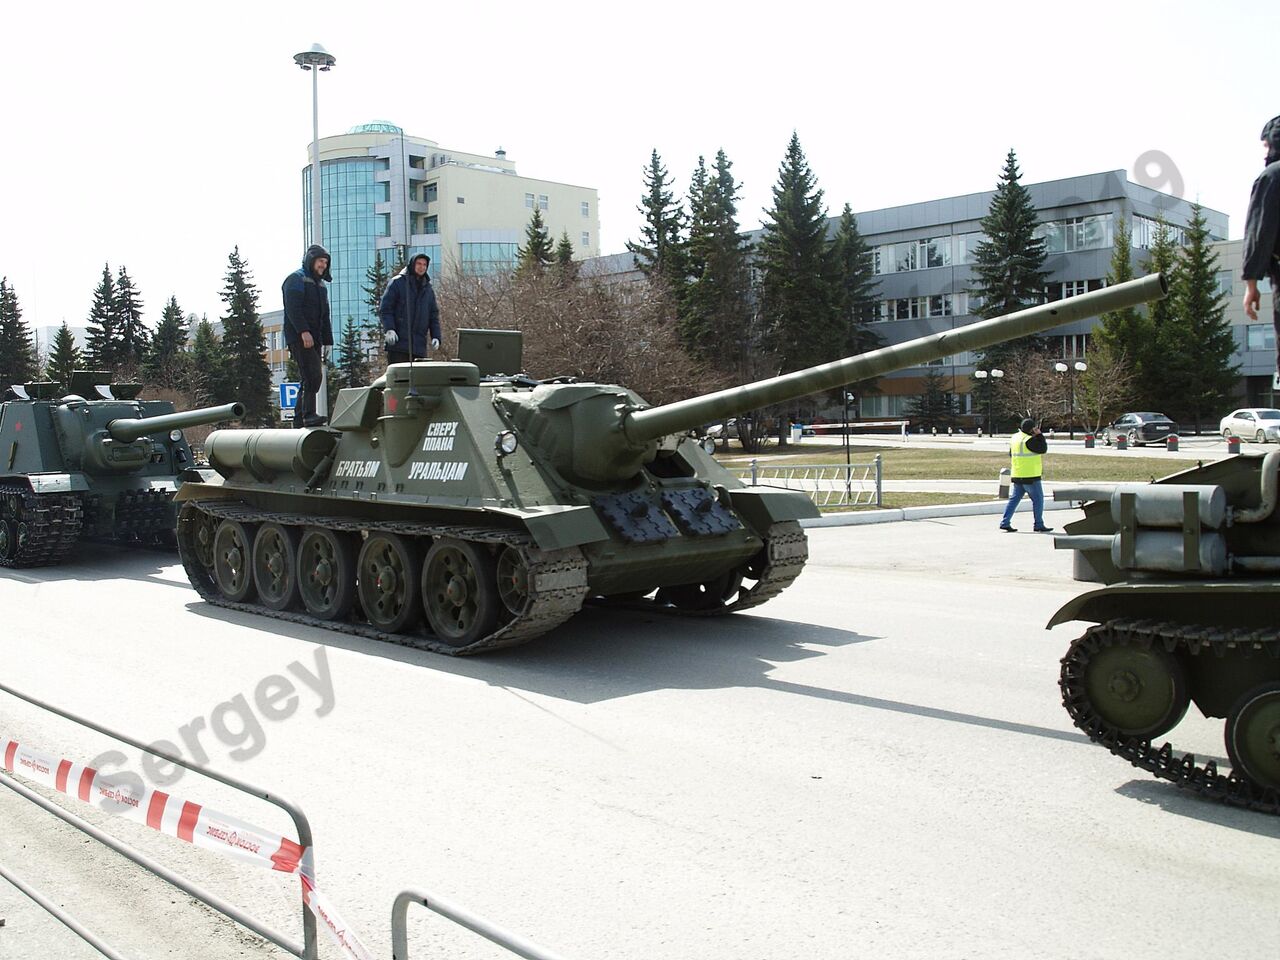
(1140, 428)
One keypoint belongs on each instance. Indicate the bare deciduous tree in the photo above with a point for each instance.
(1030, 387)
(1106, 388)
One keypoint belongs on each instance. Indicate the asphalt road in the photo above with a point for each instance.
(874, 764)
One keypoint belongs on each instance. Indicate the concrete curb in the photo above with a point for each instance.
(855, 518)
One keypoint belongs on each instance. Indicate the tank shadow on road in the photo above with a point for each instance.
(1185, 803)
(603, 654)
(91, 562)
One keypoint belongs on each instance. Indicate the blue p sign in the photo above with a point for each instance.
(288, 395)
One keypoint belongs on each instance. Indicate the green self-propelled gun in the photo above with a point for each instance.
(493, 506)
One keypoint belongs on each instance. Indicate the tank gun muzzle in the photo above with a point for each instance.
(128, 430)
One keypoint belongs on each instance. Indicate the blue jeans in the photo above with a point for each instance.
(1035, 491)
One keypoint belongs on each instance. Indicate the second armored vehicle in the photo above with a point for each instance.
(105, 467)
(495, 505)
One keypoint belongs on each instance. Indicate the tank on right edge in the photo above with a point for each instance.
(1187, 614)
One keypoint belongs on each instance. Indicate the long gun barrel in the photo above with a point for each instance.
(128, 430)
(650, 424)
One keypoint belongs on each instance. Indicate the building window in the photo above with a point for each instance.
(384, 191)
(1260, 336)
(542, 201)
(1224, 283)
(1077, 233)
(430, 191)
(528, 200)
(586, 209)
(462, 199)
(911, 255)
(586, 238)
(383, 225)
(431, 224)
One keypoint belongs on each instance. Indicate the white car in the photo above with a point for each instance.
(1261, 424)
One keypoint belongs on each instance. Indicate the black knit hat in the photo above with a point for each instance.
(1027, 425)
(1271, 134)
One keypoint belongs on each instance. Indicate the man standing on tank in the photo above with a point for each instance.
(1262, 232)
(307, 330)
(410, 316)
(1026, 451)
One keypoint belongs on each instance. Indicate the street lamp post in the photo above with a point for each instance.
(317, 59)
(991, 389)
(1078, 367)
(848, 464)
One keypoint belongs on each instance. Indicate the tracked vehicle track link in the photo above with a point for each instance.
(36, 529)
(557, 579)
(1164, 761)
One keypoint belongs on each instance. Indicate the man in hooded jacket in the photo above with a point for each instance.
(1026, 448)
(1262, 231)
(307, 330)
(410, 316)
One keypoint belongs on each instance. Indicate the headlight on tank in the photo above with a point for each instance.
(175, 435)
(506, 443)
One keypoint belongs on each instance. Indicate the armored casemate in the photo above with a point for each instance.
(1188, 614)
(494, 506)
(95, 463)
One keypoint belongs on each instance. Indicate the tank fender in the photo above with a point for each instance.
(765, 506)
(1242, 603)
(57, 482)
(555, 527)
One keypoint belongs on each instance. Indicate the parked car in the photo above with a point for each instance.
(1261, 424)
(1140, 428)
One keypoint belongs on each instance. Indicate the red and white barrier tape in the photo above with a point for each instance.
(192, 822)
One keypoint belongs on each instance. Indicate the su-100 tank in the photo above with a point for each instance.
(496, 505)
(1191, 565)
(106, 468)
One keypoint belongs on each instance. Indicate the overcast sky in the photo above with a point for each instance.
(161, 135)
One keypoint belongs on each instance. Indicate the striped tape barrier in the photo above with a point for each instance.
(193, 823)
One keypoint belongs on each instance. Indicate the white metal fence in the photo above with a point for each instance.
(827, 484)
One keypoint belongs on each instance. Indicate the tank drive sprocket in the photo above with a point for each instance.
(532, 591)
(1122, 686)
(36, 529)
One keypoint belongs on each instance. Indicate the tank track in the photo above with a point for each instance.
(1164, 762)
(44, 526)
(557, 578)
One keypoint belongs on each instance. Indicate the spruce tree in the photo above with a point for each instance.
(131, 335)
(248, 378)
(209, 365)
(101, 349)
(538, 250)
(853, 283)
(1009, 260)
(566, 266)
(1195, 342)
(1124, 333)
(352, 366)
(64, 356)
(1157, 383)
(716, 316)
(796, 297)
(166, 363)
(661, 250)
(17, 352)
(935, 406)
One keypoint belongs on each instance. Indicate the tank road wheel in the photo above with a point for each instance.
(232, 563)
(203, 528)
(1253, 735)
(388, 581)
(708, 595)
(275, 566)
(513, 580)
(8, 539)
(327, 573)
(1140, 692)
(460, 591)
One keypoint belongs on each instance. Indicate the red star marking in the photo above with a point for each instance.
(17, 427)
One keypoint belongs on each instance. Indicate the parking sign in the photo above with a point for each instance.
(288, 399)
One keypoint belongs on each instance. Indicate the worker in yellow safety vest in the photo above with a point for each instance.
(1026, 452)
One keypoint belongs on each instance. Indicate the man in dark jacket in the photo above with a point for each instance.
(1262, 231)
(410, 317)
(307, 330)
(1026, 448)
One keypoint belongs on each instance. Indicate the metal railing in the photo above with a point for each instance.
(306, 950)
(490, 931)
(827, 484)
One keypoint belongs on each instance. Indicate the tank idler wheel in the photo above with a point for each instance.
(1253, 735)
(327, 573)
(1141, 692)
(513, 580)
(275, 566)
(460, 591)
(8, 539)
(203, 528)
(708, 595)
(232, 560)
(388, 581)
